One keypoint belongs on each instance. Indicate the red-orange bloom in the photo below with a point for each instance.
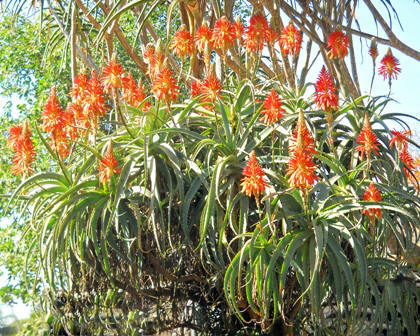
(400, 138)
(257, 33)
(59, 144)
(408, 160)
(165, 86)
(372, 194)
(389, 66)
(291, 40)
(94, 102)
(80, 86)
(301, 167)
(367, 140)
(108, 166)
(373, 50)
(70, 120)
(339, 45)
(133, 93)
(326, 96)
(273, 108)
(182, 43)
(223, 36)
(253, 181)
(20, 141)
(210, 89)
(202, 37)
(113, 73)
(53, 115)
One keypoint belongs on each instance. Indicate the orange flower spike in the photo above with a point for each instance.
(210, 88)
(339, 45)
(202, 37)
(108, 165)
(367, 140)
(408, 160)
(112, 75)
(400, 138)
(272, 36)
(53, 115)
(182, 43)
(256, 34)
(165, 86)
(70, 119)
(389, 66)
(80, 86)
(273, 108)
(223, 35)
(326, 96)
(301, 170)
(195, 88)
(372, 194)
(59, 144)
(302, 139)
(94, 104)
(291, 40)
(373, 50)
(20, 141)
(253, 181)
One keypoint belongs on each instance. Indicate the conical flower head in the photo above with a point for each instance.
(165, 86)
(20, 141)
(400, 138)
(239, 28)
(372, 194)
(80, 86)
(367, 140)
(53, 115)
(133, 93)
(112, 75)
(202, 37)
(108, 165)
(408, 161)
(210, 88)
(253, 181)
(273, 108)
(223, 36)
(94, 102)
(301, 168)
(389, 66)
(326, 96)
(257, 33)
(182, 44)
(339, 45)
(291, 40)
(59, 143)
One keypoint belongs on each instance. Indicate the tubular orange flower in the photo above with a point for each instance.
(253, 181)
(133, 93)
(408, 160)
(326, 96)
(165, 87)
(113, 73)
(401, 138)
(389, 66)
(273, 110)
(53, 115)
(372, 194)
(80, 85)
(291, 40)
(339, 45)
(301, 167)
(223, 36)
(202, 37)
(182, 43)
(59, 144)
(108, 166)
(271, 36)
(256, 34)
(20, 141)
(70, 120)
(373, 50)
(367, 140)
(210, 88)
(195, 88)
(149, 52)
(94, 102)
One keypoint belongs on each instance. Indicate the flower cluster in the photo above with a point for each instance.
(401, 140)
(108, 166)
(326, 96)
(301, 168)
(20, 142)
(367, 140)
(291, 40)
(339, 45)
(372, 194)
(182, 43)
(389, 66)
(273, 110)
(253, 181)
(209, 90)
